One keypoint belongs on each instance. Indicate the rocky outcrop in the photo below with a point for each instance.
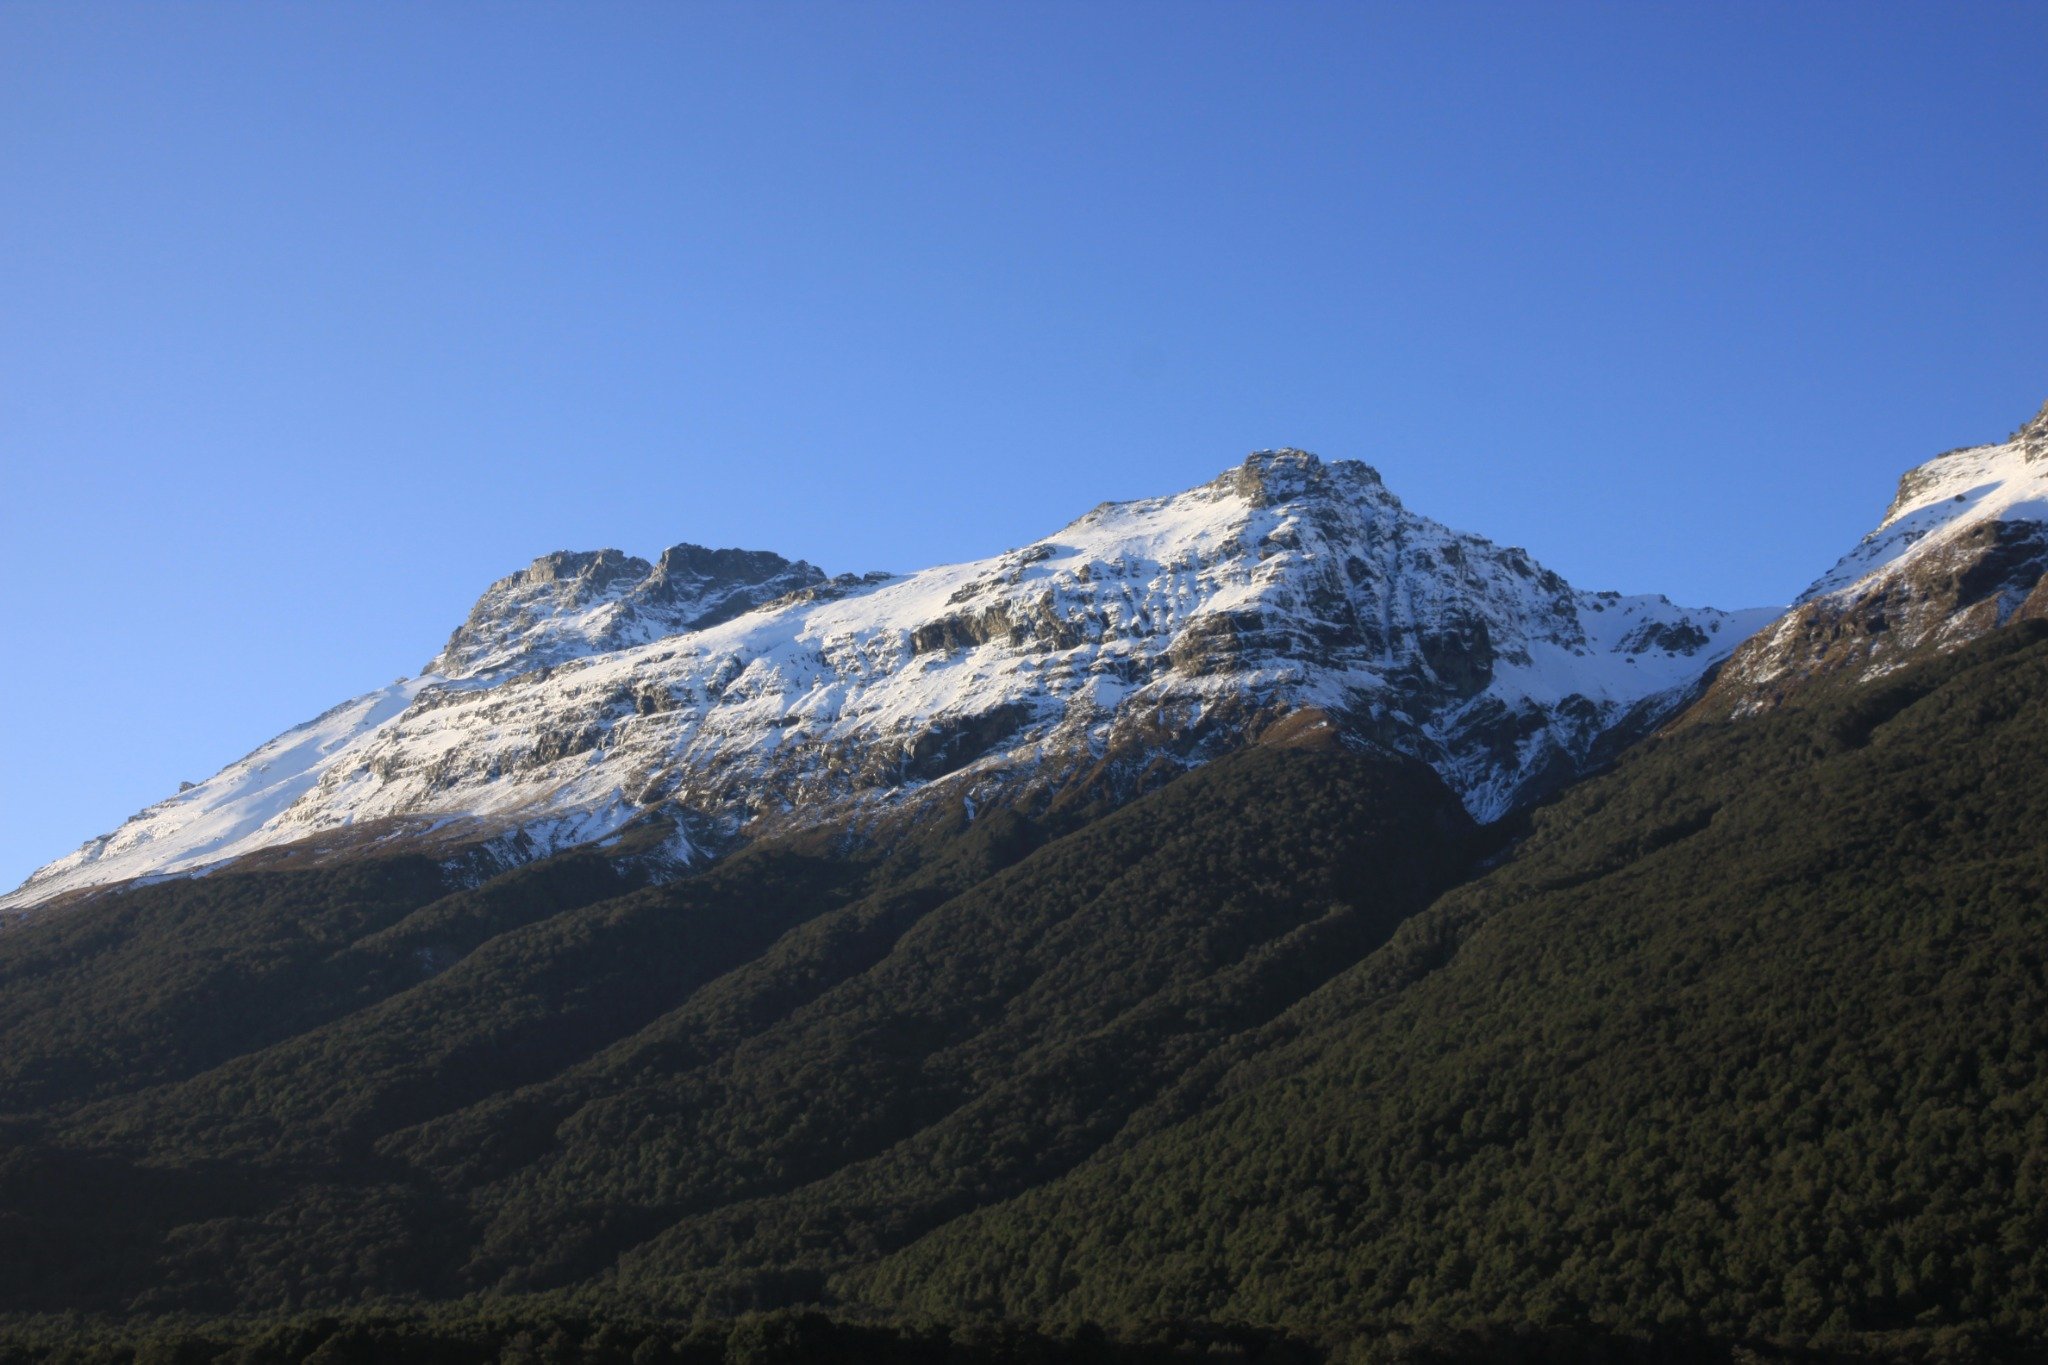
(1961, 551)
(735, 693)
(567, 605)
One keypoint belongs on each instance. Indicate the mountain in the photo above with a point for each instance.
(1749, 1040)
(729, 695)
(1961, 552)
(1743, 1042)
(321, 1085)
(1734, 1050)
(567, 605)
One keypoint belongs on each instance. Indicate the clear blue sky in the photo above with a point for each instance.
(316, 318)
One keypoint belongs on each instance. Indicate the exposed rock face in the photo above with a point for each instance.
(567, 605)
(738, 692)
(1962, 550)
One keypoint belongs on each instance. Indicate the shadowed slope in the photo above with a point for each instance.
(1751, 1036)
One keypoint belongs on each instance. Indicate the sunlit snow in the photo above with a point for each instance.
(1287, 581)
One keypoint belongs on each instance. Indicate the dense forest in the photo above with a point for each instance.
(1736, 1051)
(1751, 1036)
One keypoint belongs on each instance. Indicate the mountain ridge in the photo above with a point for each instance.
(1961, 551)
(736, 693)
(571, 603)
(1738, 1040)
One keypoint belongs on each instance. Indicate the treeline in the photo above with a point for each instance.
(1745, 1043)
(1749, 1039)
(504, 1335)
(729, 1087)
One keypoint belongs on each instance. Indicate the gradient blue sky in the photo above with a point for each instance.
(315, 319)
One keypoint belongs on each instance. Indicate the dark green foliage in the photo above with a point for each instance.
(540, 1332)
(158, 982)
(1751, 1037)
(733, 1085)
(1003, 1036)
(1744, 1043)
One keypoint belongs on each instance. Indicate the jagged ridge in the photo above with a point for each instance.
(1961, 551)
(736, 692)
(567, 604)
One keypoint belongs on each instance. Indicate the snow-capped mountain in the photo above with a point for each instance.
(567, 605)
(737, 693)
(1961, 551)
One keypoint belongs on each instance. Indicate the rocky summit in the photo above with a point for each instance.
(1961, 551)
(566, 605)
(732, 693)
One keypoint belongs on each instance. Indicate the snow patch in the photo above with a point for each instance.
(1286, 582)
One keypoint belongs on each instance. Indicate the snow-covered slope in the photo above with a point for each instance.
(739, 693)
(566, 605)
(1961, 551)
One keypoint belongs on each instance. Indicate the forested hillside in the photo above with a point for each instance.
(1750, 1037)
(1744, 1040)
(728, 1086)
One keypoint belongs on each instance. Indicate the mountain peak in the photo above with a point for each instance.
(1269, 478)
(1954, 491)
(1961, 551)
(587, 571)
(1282, 458)
(573, 603)
(685, 568)
(1946, 474)
(734, 693)
(2033, 437)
